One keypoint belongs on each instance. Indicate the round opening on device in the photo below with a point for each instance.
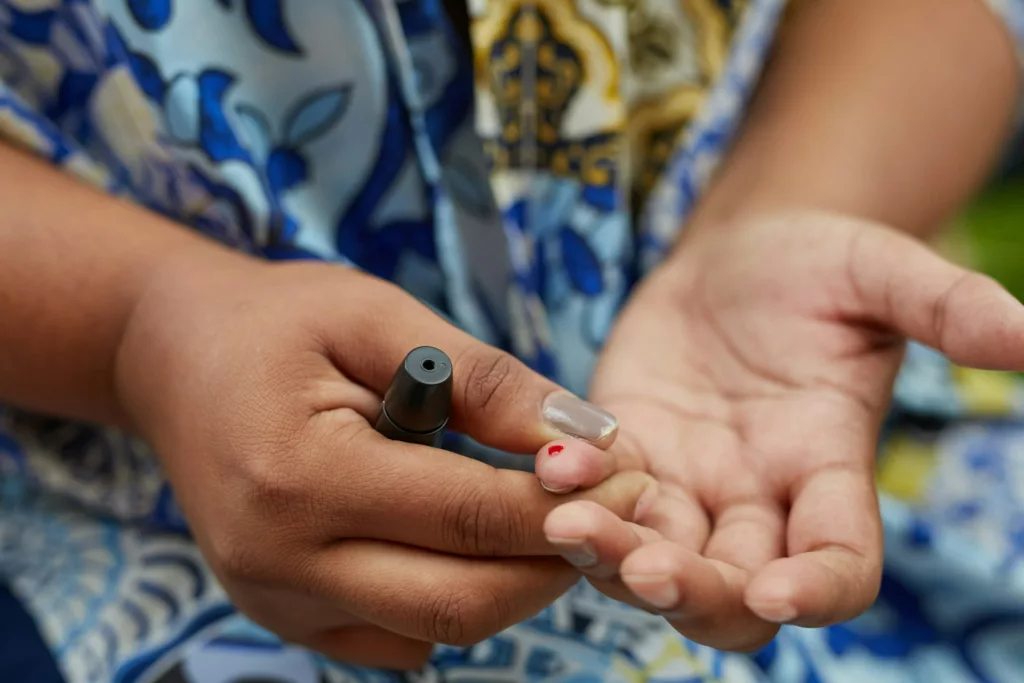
(428, 365)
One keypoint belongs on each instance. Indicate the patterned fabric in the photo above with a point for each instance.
(521, 186)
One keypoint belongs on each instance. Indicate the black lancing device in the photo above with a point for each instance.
(418, 402)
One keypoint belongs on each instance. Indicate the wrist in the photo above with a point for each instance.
(165, 297)
(767, 232)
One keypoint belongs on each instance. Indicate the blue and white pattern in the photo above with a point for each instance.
(359, 132)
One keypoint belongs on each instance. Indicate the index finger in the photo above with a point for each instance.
(430, 498)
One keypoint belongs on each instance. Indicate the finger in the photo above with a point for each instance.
(748, 534)
(967, 316)
(440, 500)
(371, 647)
(598, 547)
(567, 464)
(596, 542)
(593, 539)
(703, 599)
(835, 543)
(360, 399)
(433, 597)
(496, 399)
(679, 517)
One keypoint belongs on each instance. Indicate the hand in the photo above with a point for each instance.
(750, 375)
(256, 384)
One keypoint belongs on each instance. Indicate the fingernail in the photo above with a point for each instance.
(646, 502)
(579, 554)
(775, 612)
(575, 417)
(774, 603)
(557, 491)
(656, 590)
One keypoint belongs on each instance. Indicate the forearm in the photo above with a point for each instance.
(73, 262)
(890, 110)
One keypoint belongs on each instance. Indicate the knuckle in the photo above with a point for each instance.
(515, 527)
(463, 521)
(270, 507)
(491, 380)
(442, 618)
(940, 318)
(481, 521)
(464, 616)
(236, 559)
(241, 561)
(276, 490)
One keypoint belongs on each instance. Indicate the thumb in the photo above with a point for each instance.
(496, 399)
(900, 283)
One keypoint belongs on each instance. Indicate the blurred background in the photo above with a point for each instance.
(989, 234)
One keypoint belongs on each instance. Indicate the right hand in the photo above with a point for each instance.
(257, 385)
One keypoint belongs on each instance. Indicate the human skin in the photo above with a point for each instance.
(257, 384)
(722, 546)
(752, 370)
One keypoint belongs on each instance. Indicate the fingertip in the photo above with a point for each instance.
(701, 598)
(812, 590)
(985, 327)
(772, 598)
(593, 539)
(572, 521)
(568, 464)
(651, 572)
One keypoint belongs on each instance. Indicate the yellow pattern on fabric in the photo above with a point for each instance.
(985, 393)
(675, 83)
(537, 59)
(713, 31)
(673, 659)
(655, 127)
(905, 468)
(596, 90)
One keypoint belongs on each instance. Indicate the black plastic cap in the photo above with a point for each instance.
(420, 396)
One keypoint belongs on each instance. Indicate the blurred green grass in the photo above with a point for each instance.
(992, 231)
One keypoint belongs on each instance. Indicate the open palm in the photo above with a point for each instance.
(750, 375)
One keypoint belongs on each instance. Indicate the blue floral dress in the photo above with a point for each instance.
(520, 184)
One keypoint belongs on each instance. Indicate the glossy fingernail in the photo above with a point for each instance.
(580, 554)
(656, 590)
(575, 417)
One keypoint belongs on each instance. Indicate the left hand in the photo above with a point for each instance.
(750, 375)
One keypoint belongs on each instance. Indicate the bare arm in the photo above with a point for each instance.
(890, 111)
(72, 264)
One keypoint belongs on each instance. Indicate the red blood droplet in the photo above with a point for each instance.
(555, 450)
